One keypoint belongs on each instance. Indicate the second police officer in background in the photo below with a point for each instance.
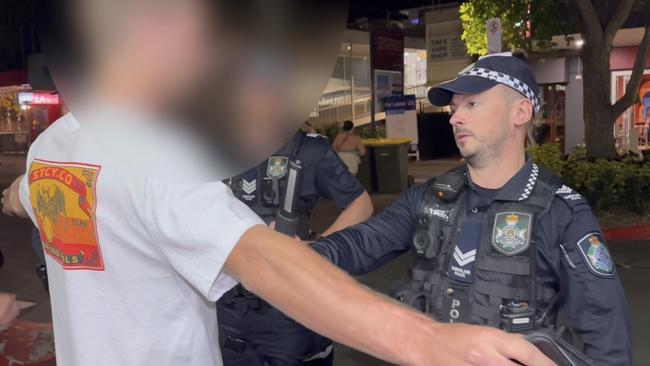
(500, 241)
(252, 332)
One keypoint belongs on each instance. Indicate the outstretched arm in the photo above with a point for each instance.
(303, 285)
(358, 211)
(369, 245)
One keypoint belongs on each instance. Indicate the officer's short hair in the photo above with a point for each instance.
(513, 96)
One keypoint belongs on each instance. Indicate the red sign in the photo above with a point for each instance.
(38, 98)
(387, 51)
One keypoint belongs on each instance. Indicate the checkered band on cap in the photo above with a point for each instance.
(508, 80)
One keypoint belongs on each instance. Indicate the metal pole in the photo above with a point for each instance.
(352, 85)
(373, 124)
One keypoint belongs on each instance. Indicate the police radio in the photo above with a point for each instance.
(286, 218)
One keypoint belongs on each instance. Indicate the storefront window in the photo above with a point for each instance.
(633, 126)
(14, 132)
(550, 124)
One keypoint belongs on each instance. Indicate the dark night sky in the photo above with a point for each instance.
(377, 9)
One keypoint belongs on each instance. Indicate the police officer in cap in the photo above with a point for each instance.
(253, 332)
(499, 241)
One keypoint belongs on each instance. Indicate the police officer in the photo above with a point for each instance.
(499, 241)
(252, 332)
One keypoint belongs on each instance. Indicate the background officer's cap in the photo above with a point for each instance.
(485, 74)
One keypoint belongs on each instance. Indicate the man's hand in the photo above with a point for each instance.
(9, 309)
(461, 344)
(10, 200)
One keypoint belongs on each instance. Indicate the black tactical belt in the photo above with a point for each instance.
(240, 292)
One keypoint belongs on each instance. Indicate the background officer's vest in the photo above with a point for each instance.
(262, 188)
(499, 278)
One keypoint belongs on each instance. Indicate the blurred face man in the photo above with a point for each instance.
(490, 125)
(153, 53)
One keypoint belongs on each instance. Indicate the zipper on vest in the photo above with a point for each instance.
(566, 256)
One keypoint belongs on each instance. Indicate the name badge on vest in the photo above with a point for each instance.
(511, 233)
(277, 167)
(461, 264)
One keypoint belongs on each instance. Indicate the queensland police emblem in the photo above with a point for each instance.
(277, 167)
(511, 233)
(596, 255)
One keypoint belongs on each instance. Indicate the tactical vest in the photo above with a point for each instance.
(500, 277)
(264, 189)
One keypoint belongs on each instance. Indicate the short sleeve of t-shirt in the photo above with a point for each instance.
(196, 226)
(24, 184)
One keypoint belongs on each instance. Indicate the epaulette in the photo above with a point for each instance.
(317, 135)
(572, 198)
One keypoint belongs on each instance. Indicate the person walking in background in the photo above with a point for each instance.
(349, 147)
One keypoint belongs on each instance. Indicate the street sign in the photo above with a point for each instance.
(493, 29)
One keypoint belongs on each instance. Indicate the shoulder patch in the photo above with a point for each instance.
(572, 198)
(594, 253)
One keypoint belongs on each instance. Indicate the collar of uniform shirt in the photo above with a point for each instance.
(513, 189)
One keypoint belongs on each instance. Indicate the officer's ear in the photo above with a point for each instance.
(522, 111)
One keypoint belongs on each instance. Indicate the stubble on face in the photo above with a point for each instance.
(487, 128)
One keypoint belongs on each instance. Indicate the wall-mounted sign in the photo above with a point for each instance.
(401, 117)
(386, 83)
(387, 48)
(445, 47)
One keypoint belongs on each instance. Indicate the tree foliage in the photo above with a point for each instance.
(530, 25)
(526, 24)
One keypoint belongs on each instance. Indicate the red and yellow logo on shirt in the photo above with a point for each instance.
(63, 196)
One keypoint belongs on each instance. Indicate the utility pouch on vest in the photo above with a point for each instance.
(517, 317)
(456, 307)
(416, 299)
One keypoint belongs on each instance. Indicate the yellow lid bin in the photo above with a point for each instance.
(386, 142)
(384, 169)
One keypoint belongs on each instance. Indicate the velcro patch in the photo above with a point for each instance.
(595, 255)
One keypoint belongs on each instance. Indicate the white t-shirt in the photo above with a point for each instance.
(134, 254)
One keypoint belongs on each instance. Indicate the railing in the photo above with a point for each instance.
(420, 91)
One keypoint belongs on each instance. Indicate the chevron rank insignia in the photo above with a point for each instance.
(249, 187)
(511, 233)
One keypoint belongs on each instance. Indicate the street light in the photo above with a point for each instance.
(580, 43)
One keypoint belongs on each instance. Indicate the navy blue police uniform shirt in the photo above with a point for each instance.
(589, 286)
(324, 175)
